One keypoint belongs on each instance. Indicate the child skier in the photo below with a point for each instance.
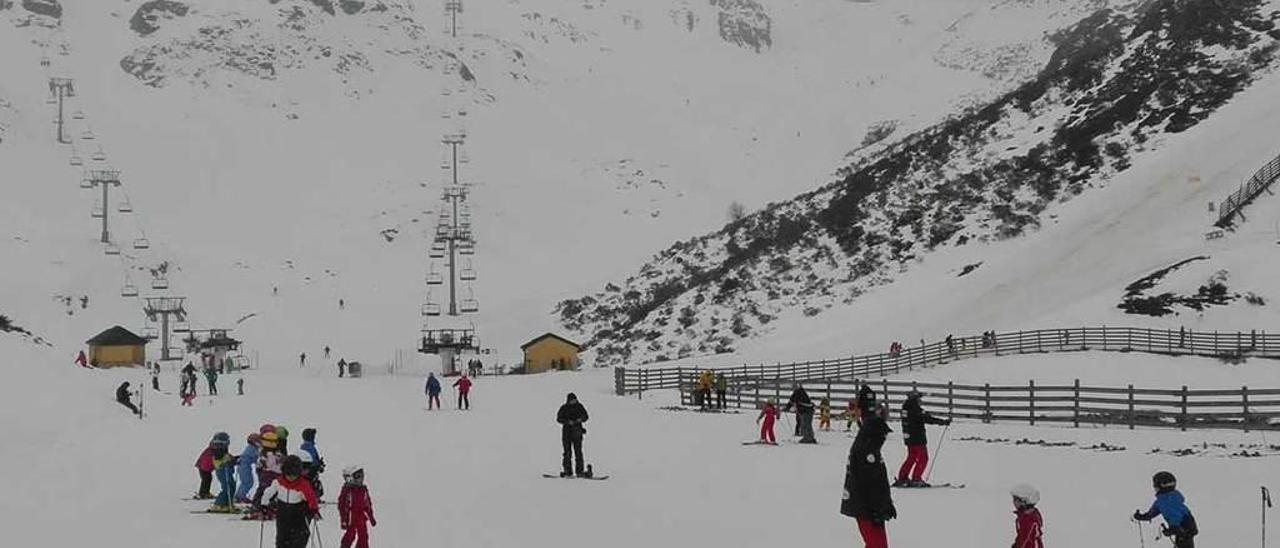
(850, 415)
(309, 446)
(824, 414)
(224, 466)
(1029, 525)
(914, 417)
(204, 464)
(355, 508)
(309, 473)
(866, 482)
(244, 468)
(1171, 505)
(770, 414)
(294, 503)
(270, 460)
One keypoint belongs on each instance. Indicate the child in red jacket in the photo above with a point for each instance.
(355, 508)
(1030, 527)
(204, 464)
(769, 414)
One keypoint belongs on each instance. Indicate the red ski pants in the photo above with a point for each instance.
(766, 430)
(873, 534)
(917, 460)
(358, 532)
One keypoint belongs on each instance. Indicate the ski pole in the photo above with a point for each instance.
(319, 539)
(262, 526)
(937, 453)
(1266, 503)
(1142, 539)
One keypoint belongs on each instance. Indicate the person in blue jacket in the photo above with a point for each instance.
(244, 469)
(1172, 506)
(224, 467)
(309, 445)
(433, 390)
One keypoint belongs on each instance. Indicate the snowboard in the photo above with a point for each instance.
(557, 476)
(934, 486)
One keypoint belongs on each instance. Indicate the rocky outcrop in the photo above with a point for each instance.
(149, 15)
(49, 8)
(744, 23)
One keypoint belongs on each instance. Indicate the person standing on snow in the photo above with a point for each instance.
(706, 380)
(269, 461)
(464, 388)
(770, 414)
(342, 367)
(82, 360)
(294, 503)
(123, 396)
(211, 377)
(866, 481)
(803, 405)
(1172, 506)
(204, 465)
(244, 468)
(571, 417)
(722, 388)
(302, 359)
(326, 351)
(914, 419)
(155, 377)
(1029, 525)
(224, 467)
(189, 378)
(355, 508)
(433, 391)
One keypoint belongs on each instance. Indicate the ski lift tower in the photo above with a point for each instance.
(60, 89)
(105, 178)
(452, 334)
(162, 309)
(451, 9)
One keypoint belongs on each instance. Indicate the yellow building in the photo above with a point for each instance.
(117, 347)
(550, 351)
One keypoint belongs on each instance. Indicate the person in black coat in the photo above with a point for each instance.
(571, 417)
(866, 481)
(123, 395)
(914, 419)
(804, 414)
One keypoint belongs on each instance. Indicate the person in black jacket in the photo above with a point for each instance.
(914, 418)
(123, 395)
(866, 480)
(804, 414)
(571, 416)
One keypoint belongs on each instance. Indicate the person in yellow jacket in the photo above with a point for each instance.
(705, 382)
(824, 414)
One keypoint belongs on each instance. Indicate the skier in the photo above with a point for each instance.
(866, 480)
(268, 465)
(342, 304)
(850, 415)
(770, 414)
(1029, 525)
(294, 503)
(244, 468)
(914, 419)
(211, 377)
(122, 397)
(355, 508)
(82, 360)
(311, 473)
(803, 404)
(240, 386)
(1171, 505)
(722, 388)
(224, 466)
(342, 368)
(204, 464)
(189, 378)
(433, 391)
(302, 359)
(155, 378)
(571, 416)
(309, 444)
(824, 414)
(326, 351)
(464, 388)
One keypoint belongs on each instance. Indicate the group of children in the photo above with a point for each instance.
(289, 489)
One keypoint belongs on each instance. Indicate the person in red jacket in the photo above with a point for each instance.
(355, 508)
(204, 464)
(464, 387)
(1030, 527)
(295, 505)
(769, 414)
(81, 360)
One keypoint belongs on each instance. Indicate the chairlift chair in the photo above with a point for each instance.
(467, 248)
(150, 332)
(125, 206)
(435, 278)
(141, 243)
(44, 61)
(435, 253)
(76, 160)
(446, 114)
(431, 309)
(181, 327)
(96, 212)
(129, 290)
(467, 274)
(443, 230)
(86, 182)
(446, 164)
(99, 155)
(51, 100)
(159, 283)
(87, 134)
(469, 305)
(78, 114)
(111, 249)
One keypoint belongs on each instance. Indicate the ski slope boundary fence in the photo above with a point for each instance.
(1244, 408)
(1247, 192)
(1228, 345)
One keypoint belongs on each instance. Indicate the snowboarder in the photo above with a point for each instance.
(571, 416)
(294, 504)
(224, 466)
(914, 419)
(1171, 505)
(722, 388)
(464, 388)
(433, 391)
(824, 414)
(122, 396)
(204, 465)
(342, 368)
(82, 360)
(769, 414)
(244, 468)
(803, 405)
(355, 508)
(866, 481)
(1029, 525)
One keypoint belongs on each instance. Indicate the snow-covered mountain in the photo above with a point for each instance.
(1119, 83)
(290, 145)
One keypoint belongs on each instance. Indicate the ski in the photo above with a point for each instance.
(759, 442)
(558, 476)
(933, 486)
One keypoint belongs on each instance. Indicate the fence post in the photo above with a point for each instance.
(1215, 343)
(1031, 392)
(951, 403)
(1131, 407)
(828, 390)
(1128, 333)
(1183, 420)
(1075, 416)
(1039, 343)
(618, 374)
(1244, 402)
(884, 389)
(1104, 338)
(757, 383)
(644, 380)
(986, 415)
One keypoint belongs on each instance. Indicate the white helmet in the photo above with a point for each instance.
(1026, 494)
(305, 457)
(351, 470)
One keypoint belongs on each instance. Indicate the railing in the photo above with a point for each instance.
(1234, 203)
(1244, 408)
(1122, 339)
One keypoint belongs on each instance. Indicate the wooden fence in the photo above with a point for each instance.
(1235, 202)
(1243, 408)
(1122, 339)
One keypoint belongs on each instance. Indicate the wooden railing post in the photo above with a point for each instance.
(1131, 407)
(1183, 419)
(619, 373)
(1075, 416)
(951, 399)
(986, 415)
(1031, 393)
(1244, 403)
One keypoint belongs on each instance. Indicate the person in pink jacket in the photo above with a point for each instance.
(204, 464)
(464, 388)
